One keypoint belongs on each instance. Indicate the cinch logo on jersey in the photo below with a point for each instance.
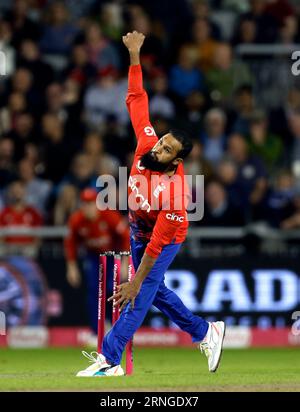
(132, 184)
(173, 216)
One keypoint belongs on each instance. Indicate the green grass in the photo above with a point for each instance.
(155, 369)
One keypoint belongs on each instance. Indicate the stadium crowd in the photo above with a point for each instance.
(64, 122)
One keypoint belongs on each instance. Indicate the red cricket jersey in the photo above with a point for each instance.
(28, 217)
(157, 203)
(109, 231)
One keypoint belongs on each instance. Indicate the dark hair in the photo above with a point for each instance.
(183, 138)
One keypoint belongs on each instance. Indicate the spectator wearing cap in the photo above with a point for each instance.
(97, 231)
(263, 143)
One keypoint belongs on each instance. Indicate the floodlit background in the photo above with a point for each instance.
(221, 70)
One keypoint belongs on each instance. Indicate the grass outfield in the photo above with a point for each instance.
(155, 370)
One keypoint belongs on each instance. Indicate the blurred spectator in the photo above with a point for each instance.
(22, 26)
(280, 117)
(98, 231)
(56, 151)
(6, 47)
(7, 165)
(23, 82)
(37, 190)
(227, 174)
(190, 117)
(196, 165)
(279, 203)
(205, 45)
(106, 98)
(202, 10)
(80, 69)
(293, 220)
(252, 176)
(30, 58)
(152, 52)
(266, 25)
(288, 31)
(244, 107)
(100, 51)
(218, 209)
(160, 102)
(22, 133)
(280, 10)
(8, 114)
(59, 32)
(103, 163)
(227, 75)
(62, 100)
(214, 137)
(185, 77)
(263, 143)
(112, 21)
(246, 32)
(80, 176)
(19, 213)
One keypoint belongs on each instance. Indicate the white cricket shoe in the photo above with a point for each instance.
(212, 344)
(99, 366)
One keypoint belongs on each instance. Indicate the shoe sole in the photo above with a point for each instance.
(221, 352)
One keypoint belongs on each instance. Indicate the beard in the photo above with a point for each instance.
(149, 162)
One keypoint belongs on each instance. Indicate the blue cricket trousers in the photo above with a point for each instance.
(153, 292)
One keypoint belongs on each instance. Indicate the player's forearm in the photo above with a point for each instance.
(134, 58)
(145, 267)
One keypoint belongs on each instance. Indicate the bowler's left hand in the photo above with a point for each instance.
(127, 292)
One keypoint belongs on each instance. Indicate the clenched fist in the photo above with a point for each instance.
(133, 41)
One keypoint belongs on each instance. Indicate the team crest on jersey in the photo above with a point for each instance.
(160, 188)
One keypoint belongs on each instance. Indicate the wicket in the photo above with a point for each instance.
(102, 298)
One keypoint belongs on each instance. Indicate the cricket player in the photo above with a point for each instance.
(158, 227)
